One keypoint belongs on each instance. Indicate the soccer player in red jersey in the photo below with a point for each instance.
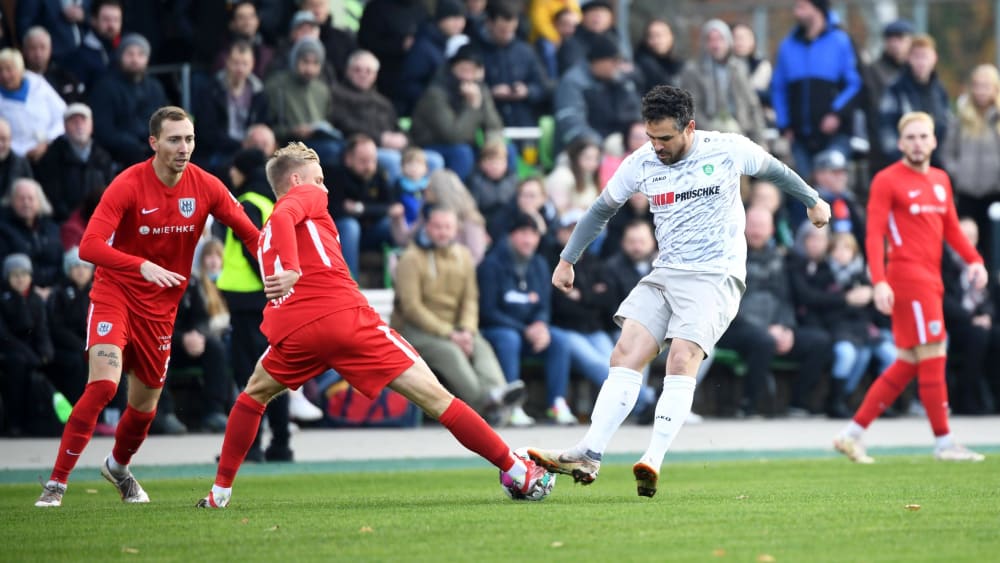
(142, 238)
(317, 319)
(911, 205)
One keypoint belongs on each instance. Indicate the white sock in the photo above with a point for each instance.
(224, 492)
(519, 469)
(115, 467)
(852, 430)
(614, 403)
(942, 442)
(672, 410)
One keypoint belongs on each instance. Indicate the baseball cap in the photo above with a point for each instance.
(898, 27)
(301, 17)
(77, 108)
(830, 160)
(603, 47)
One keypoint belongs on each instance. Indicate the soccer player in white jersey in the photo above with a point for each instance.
(692, 180)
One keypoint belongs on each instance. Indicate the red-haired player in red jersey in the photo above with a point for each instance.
(911, 206)
(317, 319)
(142, 238)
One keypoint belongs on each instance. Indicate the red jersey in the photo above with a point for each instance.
(140, 218)
(300, 235)
(915, 212)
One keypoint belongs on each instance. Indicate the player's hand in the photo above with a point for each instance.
(819, 214)
(978, 275)
(160, 276)
(884, 298)
(829, 124)
(280, 284)
(563, 276)
(194, 343)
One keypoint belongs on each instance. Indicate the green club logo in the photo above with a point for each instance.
(708, 169)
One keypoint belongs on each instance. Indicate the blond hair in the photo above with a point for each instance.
(285, 161)
(846, 239)
(922, 40)
(494, 148)
(215, 304)
(12, 56)
(972, 121)
(912, 116)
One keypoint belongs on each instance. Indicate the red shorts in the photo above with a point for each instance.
(144, 342)
(917, 318)
(354, 342)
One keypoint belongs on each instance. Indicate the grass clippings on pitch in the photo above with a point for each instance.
(904, 508)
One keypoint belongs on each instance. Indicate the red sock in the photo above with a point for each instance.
(80, 426)
(472, 431)
(244, 419)
(131, 433)
(933, 391)
(884, 391)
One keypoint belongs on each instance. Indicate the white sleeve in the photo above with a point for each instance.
(748, 156)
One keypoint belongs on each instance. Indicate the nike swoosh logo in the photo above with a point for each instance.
(148, 211)
(71, 452)
(913, 193)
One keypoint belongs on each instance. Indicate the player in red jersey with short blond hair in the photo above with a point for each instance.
(142, 238)
(911, 206)
(317, 319)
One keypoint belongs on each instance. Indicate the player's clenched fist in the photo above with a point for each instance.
(563, 276)
(819, 214)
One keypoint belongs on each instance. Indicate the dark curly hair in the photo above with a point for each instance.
(663, 102)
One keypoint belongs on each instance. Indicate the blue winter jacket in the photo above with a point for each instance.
(508, 300)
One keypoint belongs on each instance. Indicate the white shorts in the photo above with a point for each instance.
(673, 303)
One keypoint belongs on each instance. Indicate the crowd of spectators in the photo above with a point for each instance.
(407, 112)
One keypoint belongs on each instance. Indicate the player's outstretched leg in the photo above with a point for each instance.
(241, 428)
(583, 467)
(76, 435)
(419, 385)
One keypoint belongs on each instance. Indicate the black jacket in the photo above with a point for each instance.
(67, 309)
(42, 244)
(211, 111)
(121, 115)
(590, 312)
(376, 194)
(24, 327)
(67, 180)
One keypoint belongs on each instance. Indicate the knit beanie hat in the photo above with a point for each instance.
(822, 5)
(248, 160)
(720, 26)
(304, 46)
(16, 262)
(72, 258)
(134, 39)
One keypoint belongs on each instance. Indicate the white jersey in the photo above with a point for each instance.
(696, 205)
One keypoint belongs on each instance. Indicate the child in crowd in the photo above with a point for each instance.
(492, 184)
(864, 333)
(410, 189)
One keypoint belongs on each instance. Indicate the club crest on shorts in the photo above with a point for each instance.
(934, 327)
(103, 328)
(186, 206)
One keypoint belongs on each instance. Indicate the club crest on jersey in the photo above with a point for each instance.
(103, 328)
(708, 169)
(939, 192)
(186, 206)
(934, 327)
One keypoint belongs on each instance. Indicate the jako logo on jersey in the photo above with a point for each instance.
(672, 197)
(186, 205)
(103, 328)
(708, 169)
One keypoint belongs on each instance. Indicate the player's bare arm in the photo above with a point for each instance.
(280, 284)
(159, 275)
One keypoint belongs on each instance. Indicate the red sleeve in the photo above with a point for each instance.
(879, 204)
(953, 234)
(230, 213)
(95, 246)
(284, 218)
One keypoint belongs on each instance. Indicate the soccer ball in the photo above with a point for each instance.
(539, 490)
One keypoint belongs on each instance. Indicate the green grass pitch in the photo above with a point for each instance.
(778, 510)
